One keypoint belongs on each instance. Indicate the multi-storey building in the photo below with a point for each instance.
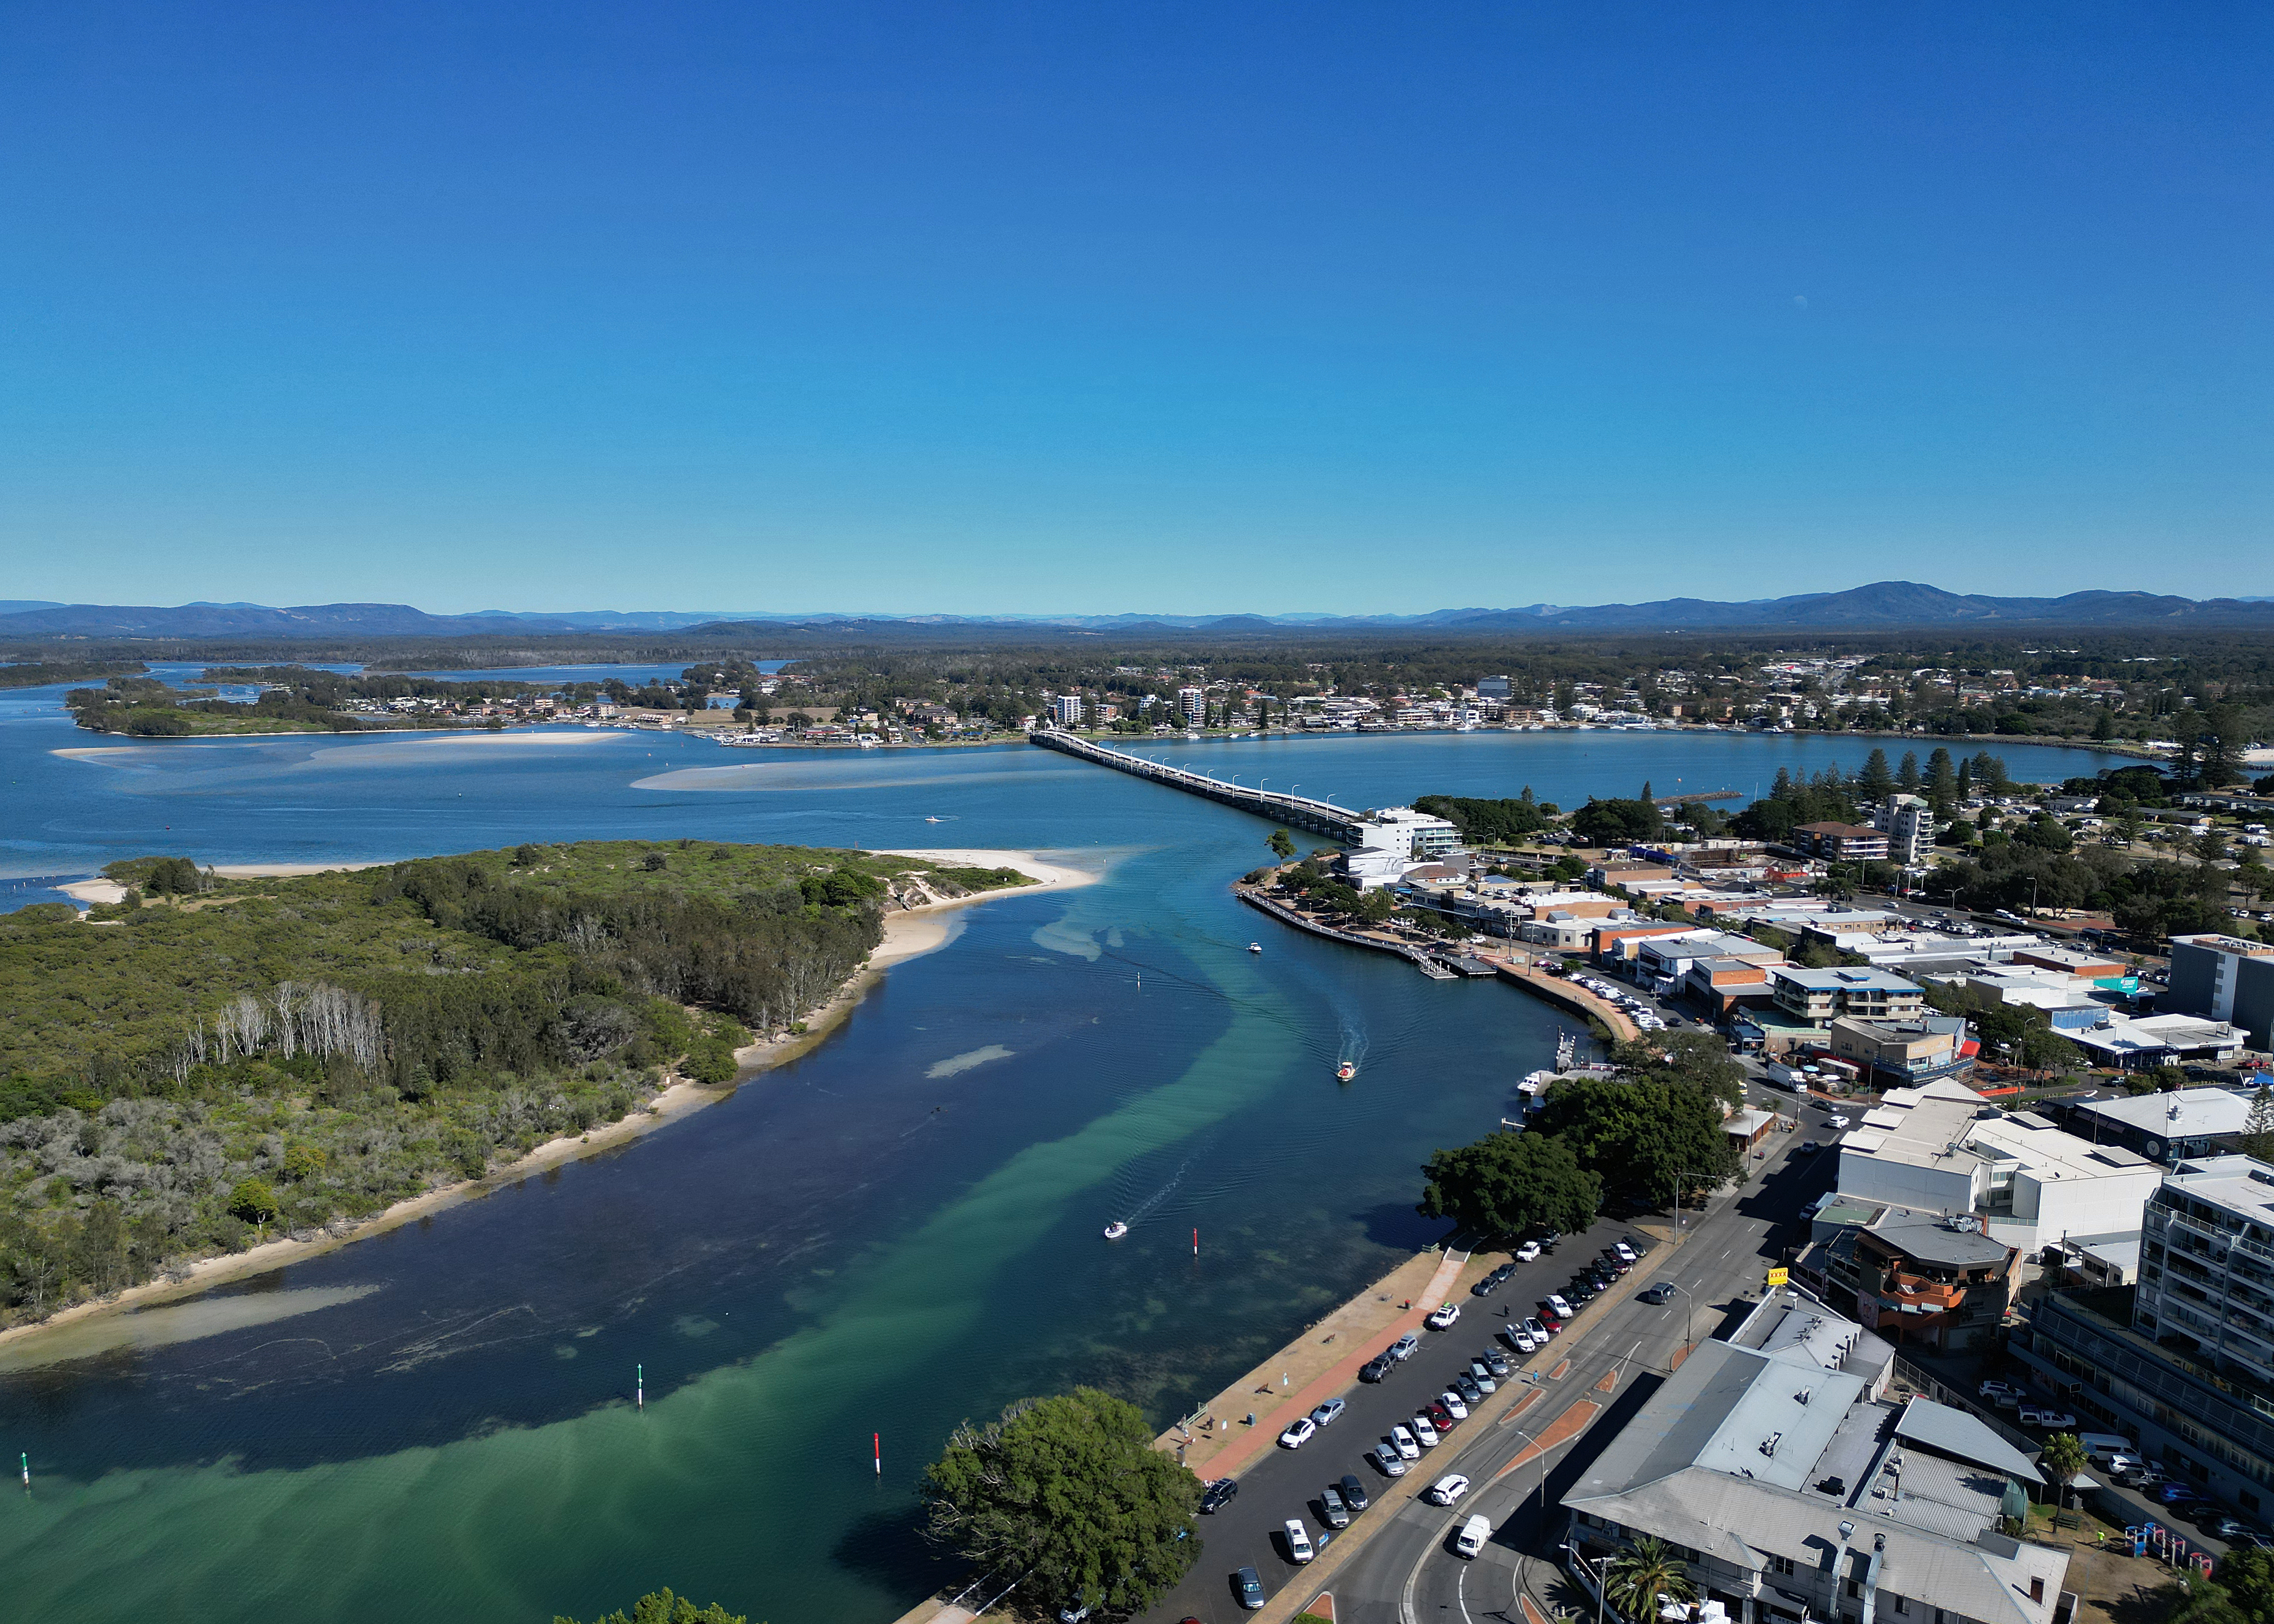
(2226, 979)
(1192, 702)
(1841, 842)
(1818, 997)
(1907, 822)
(2182, 1364)
(1936, 1283)
(1066, 709)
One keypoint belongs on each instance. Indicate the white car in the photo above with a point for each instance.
(1521, 1338)
(1526, 1252)
(1402, 1440)
(1456, 1406)
(1298, 1541)
(1444, 1318)
(1296, 1436)
(1425, 1431)
(1837, 1122)
(1473, 1535)
(1627, 1252)
(1445, 1491)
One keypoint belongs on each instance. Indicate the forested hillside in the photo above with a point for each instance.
(210, 1059)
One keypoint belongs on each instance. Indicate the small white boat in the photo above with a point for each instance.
(1115, 1230)
(1345, 1072)
(1255, 947)
(935, 819)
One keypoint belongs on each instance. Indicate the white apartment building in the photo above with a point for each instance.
(1908, 823)
(1408, 833)
(1943, 1148)
(1066, 709)
(1192, 704)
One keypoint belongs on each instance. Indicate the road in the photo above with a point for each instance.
(1623, 1339)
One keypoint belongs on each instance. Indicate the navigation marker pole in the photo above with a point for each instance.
(639, 1386)
(28, 1470)
(876, 1442)
(1196, 1242)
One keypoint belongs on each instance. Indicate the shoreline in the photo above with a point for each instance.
(909, 933)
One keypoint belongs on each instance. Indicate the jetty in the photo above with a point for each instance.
(1321, 817)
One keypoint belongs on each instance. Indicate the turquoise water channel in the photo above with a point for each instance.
(897, 1232)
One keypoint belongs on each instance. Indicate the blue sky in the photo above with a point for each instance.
(1072, 307)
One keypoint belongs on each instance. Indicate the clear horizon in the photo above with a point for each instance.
(1043, 312)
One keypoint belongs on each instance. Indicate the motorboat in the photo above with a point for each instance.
(1346, 1071)
(1115, 1230)
(1255, 947)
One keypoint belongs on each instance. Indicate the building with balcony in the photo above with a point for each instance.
(1776, 1469)
(1933, 1283)
(1903, 1053)
(1841, 842)
(1907, 822)
(2207, 1266)
(1408, 833)
(2224, 979)
(1818, 997)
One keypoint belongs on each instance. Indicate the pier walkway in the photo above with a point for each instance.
(1321, 817)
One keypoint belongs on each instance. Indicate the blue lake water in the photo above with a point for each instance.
(895, 1233)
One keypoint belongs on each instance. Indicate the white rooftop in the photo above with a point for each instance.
(2184, 1113)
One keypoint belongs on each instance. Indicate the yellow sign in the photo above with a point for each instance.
(1778, 1276)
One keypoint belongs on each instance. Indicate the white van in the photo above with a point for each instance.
(2100, 1446)
(1473, 1535)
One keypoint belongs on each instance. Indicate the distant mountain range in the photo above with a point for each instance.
(1884, 604)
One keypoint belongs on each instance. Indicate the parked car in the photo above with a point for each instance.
(1330, 1412)
(1387, 1461)
(1301, 1433)
(2055, 1420)
(1404, 1348)
(2225, 1526)
(1517, 1337)
(1354, 1494)
(1482, 1374)
(1444, 1318)
(1446, 1490)
(1219, 1495)
(1992, 1388)
(1537, 1329)
(1626, 1251)
(2174, 1494)
(1473, 1535)
(1298, 1541)
(1496, 1362)
(1526, 1252)
(1562, 1309)
(1456, 1406)
(1248, 1586)
(1404, 1442)
(1376, 1368)
(1444, 1419)
(1332, 1511)
(1423, 1430)
(1465, 1385)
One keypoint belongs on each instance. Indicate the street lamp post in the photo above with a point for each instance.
(1602, 1578)
(1688, 1315)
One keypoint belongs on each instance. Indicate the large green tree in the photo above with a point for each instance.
(1069, 1493)
(1697, 1058)
(1643, 1137)
(1508, 1183)
(662, 1607)
(1642, 1573)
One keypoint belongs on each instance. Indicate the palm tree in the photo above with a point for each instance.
(1641, 1574)
(2062, 1457)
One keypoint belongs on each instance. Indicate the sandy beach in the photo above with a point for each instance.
(907, 934)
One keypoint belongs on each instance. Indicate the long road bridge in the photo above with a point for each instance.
(1301, 811)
